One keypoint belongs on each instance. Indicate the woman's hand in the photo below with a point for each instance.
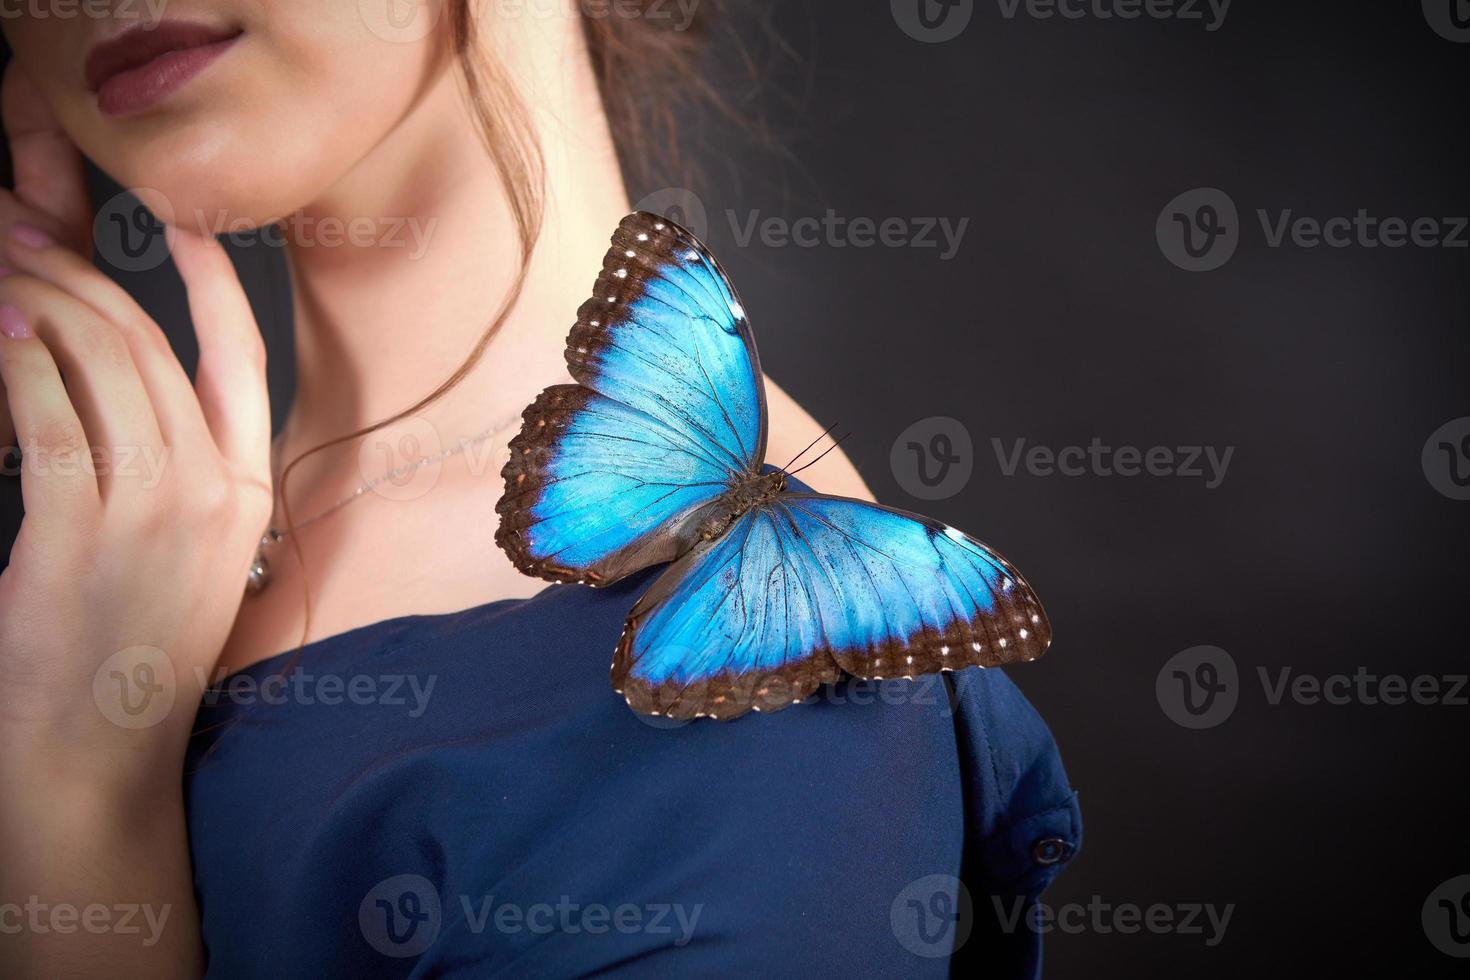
(145, 497)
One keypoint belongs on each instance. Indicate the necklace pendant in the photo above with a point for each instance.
(260, 569)
(260, 575)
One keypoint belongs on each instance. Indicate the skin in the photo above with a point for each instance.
(358, 127)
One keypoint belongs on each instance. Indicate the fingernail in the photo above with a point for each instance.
(30, 236)
(13, 323)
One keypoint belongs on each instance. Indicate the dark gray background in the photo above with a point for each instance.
(1326, 549)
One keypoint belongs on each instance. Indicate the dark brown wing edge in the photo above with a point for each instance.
(614, 292)
(545, 418)
(526, 476)
(987, 640)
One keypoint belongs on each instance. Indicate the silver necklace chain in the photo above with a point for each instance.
(260, 569)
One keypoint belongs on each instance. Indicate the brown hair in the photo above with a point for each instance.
(646, 67)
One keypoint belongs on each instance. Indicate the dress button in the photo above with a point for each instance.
(1049, 850)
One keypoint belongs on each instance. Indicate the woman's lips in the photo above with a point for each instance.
(144, 66)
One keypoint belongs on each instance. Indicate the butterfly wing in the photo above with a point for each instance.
(615, 473)
(809, 586)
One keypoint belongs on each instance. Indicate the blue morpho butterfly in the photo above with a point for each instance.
(655, 455)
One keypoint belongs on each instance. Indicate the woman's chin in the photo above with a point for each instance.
(219, 174)
(220, 199)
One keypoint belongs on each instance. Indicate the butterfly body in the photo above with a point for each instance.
(656, 455)
(739, 500)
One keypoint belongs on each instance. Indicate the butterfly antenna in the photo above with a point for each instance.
(824, 452)
(825, 433)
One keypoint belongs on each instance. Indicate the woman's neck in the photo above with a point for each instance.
(400, 269)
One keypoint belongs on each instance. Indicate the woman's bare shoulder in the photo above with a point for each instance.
(792, 429)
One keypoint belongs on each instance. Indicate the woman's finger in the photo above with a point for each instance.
(7, 424)
(58, 485)
(230, 379)
(49, 175)
(101, 378)
(177, 407)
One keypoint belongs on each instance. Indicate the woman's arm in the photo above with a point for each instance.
(144, 499)
(95, 879)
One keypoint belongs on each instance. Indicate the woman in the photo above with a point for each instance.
(421, 769)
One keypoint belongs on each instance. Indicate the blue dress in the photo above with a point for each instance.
(464, 796)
